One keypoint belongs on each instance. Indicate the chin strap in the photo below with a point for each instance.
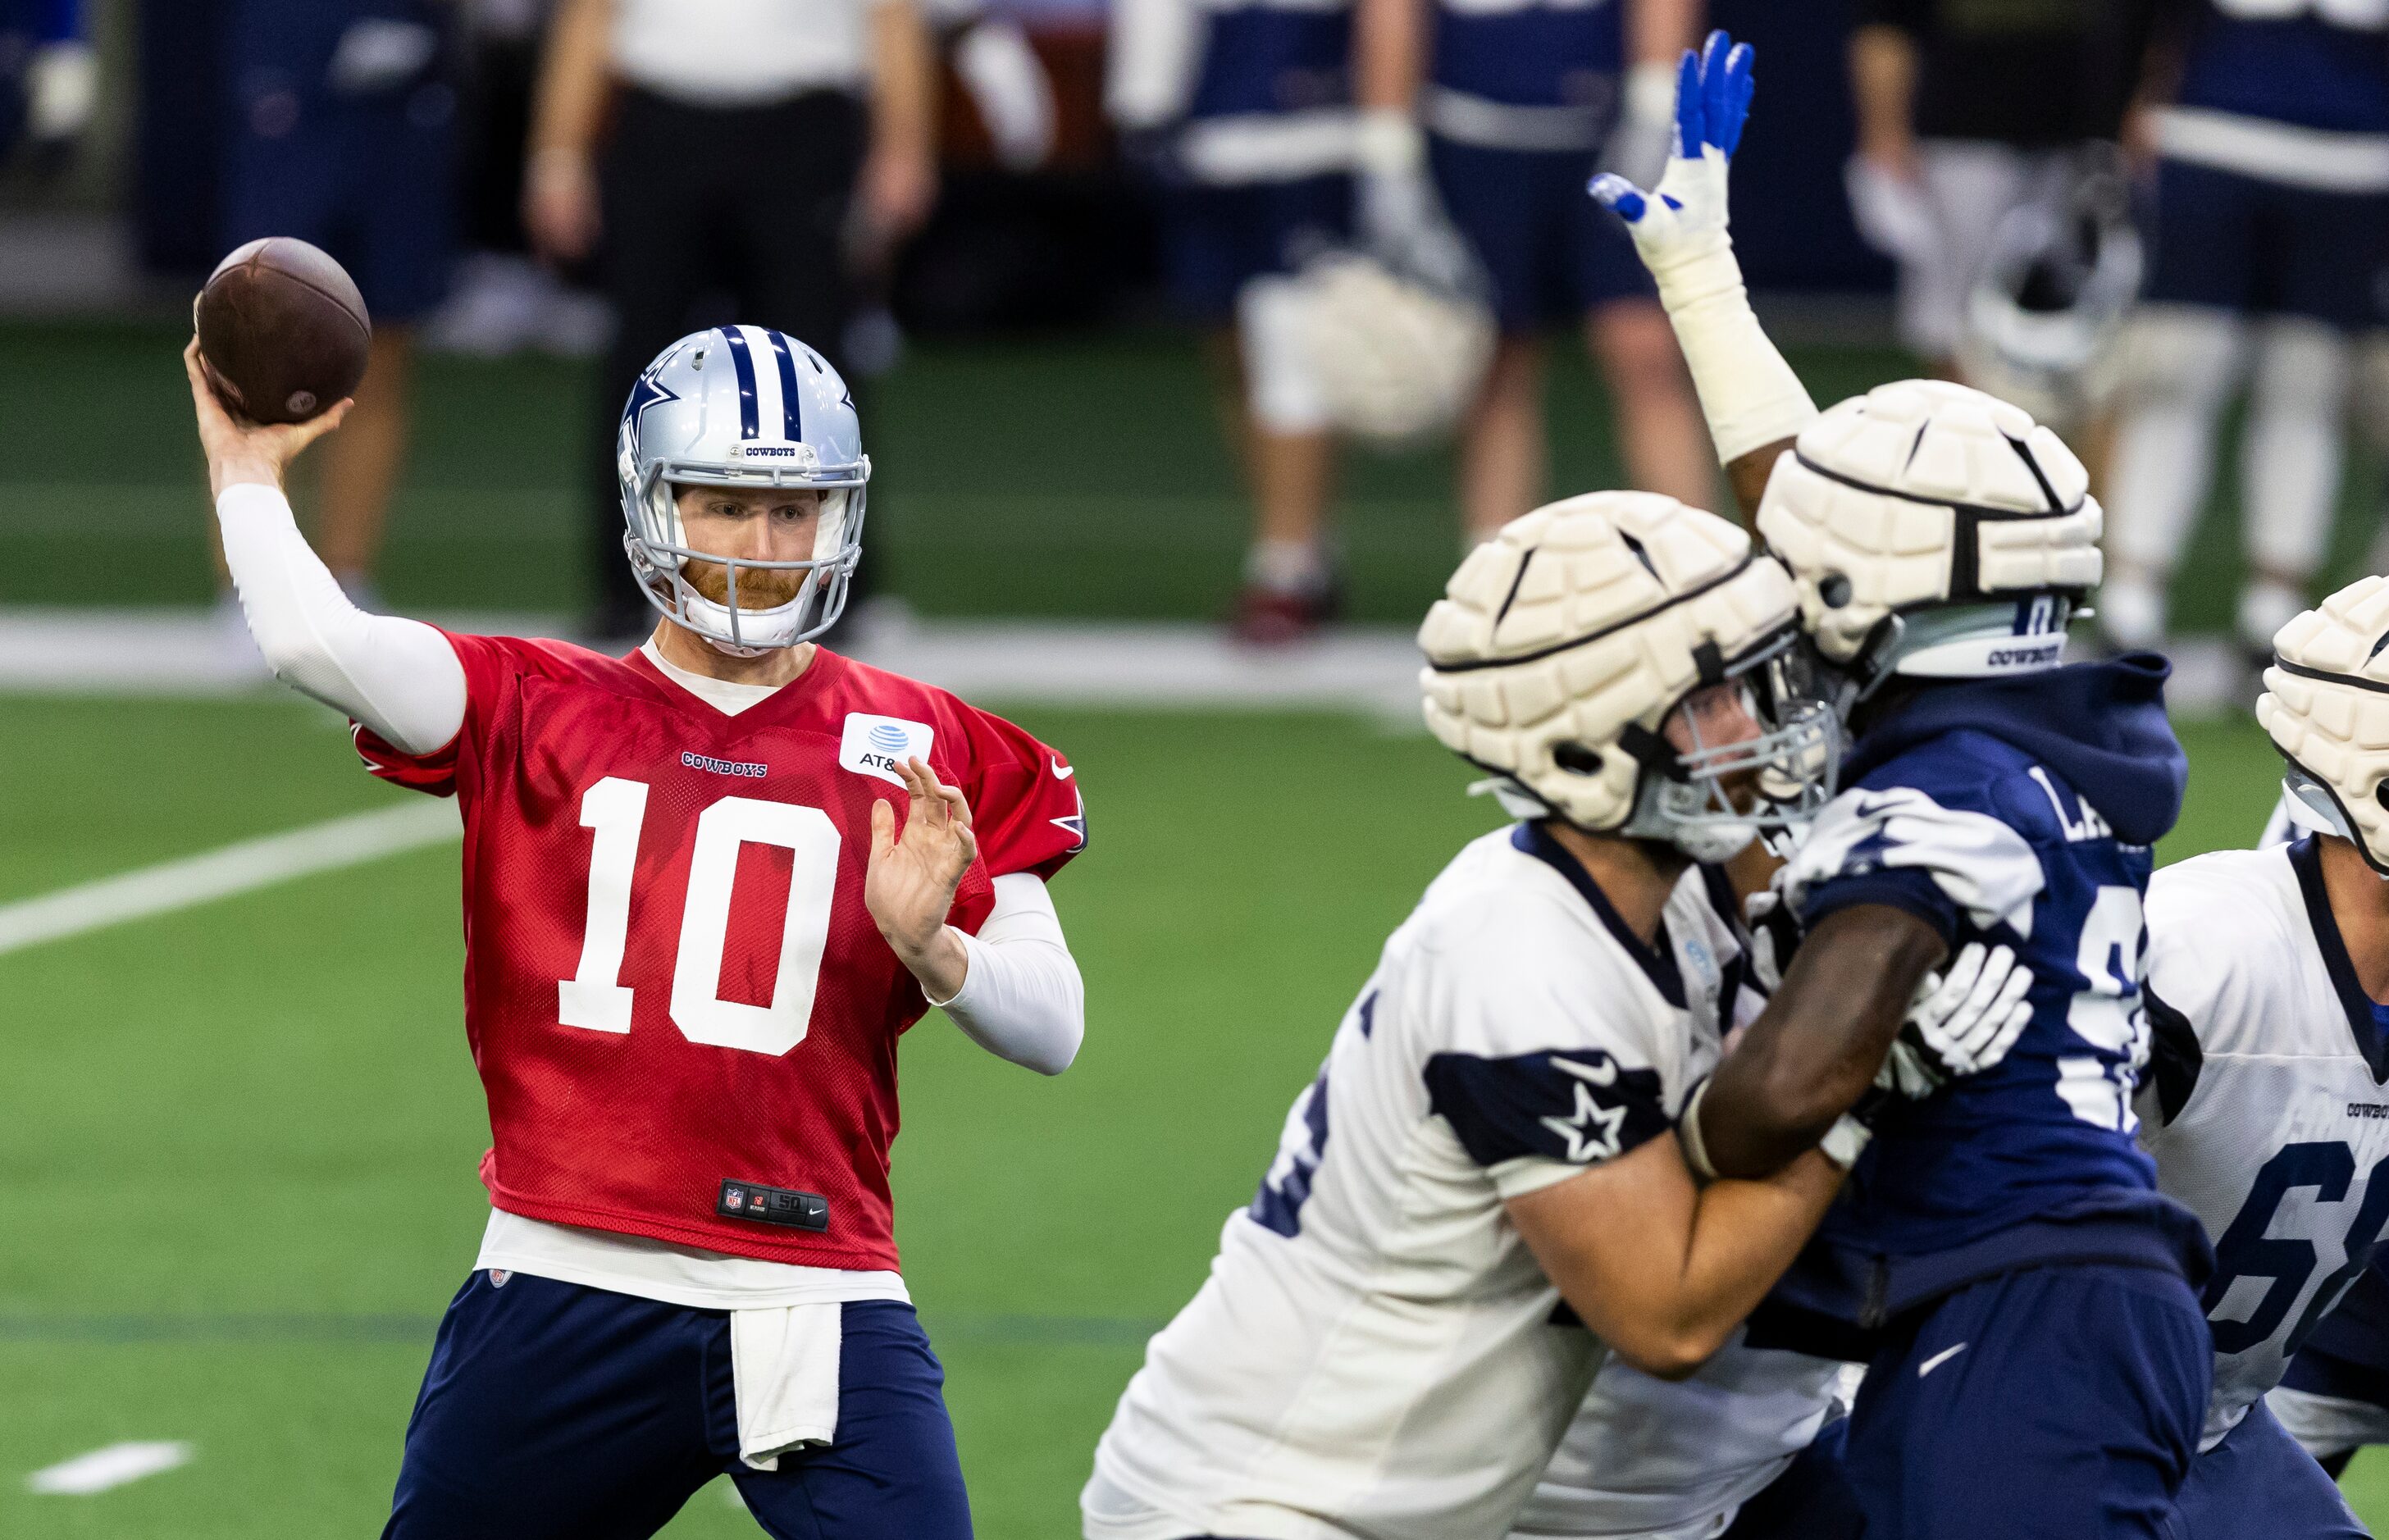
(731, 649)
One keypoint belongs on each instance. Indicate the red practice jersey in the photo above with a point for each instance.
(673, 989)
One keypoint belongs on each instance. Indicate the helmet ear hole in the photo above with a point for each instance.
(1577, 759)
(1834, 590)
(2381, 795)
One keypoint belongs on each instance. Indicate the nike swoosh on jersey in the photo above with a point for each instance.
(1929, 1365)
(1063, 771)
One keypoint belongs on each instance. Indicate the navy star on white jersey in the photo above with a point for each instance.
(1593, 1131)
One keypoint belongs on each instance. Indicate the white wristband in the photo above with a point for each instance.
(1687, 1133)
(1651, 92)
(1845, 1141)
(1387, 142)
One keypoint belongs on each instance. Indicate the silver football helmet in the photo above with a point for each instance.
(741, 406)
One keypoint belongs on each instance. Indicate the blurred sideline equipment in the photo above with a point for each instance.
(2049, 307)
(2272, 219)
(1949, 143)
(282, 331)
(1394, 359)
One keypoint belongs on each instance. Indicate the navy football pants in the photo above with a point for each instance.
(2258, 1482)
(555, 1411)
(1811, 1500)
(2061, 1401)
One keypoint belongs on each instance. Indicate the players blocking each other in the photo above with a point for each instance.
(2004, 1243)
(707, 885)
(1481, 1195)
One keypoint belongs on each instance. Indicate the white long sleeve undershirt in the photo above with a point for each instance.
(1021, 999)
(399, 677)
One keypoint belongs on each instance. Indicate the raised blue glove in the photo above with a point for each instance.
(1713, 92)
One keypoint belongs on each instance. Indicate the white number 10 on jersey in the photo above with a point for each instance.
(614, 810)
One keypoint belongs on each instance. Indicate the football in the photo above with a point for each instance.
(282, 331)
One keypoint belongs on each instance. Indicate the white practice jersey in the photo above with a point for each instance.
(1376, 1353)
(2264, 1104)
(1659, 1459)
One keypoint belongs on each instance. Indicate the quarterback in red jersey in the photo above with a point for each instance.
(706, 888)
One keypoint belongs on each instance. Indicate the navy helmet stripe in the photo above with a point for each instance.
(744, 364)
(794, 429)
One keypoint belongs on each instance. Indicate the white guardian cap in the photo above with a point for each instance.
(1562, 646)
(741, 406)
(1934, 531)
(2326, 707)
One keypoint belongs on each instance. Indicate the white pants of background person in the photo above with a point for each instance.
(1938, 227)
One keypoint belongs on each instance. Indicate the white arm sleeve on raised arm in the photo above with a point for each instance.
(399, 677)
(1022, 999)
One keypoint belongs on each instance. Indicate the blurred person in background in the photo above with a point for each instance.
(1242, 111)
(767, 149)
(50, 80)
(1510, 107)
(2272, 206)
(504, 300)
(342, 132)
(1968, 109)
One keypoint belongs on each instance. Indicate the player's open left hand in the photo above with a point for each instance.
(1963, 1021)
(239, 450)
(911, 883)
(1685, 218)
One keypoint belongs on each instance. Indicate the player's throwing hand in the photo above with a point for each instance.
(239, 450)
(911, 883)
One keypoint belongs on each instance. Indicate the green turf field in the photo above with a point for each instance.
(237, 1143)
(1077, 476)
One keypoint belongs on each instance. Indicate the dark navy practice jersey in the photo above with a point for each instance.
(2019, 812)
(2319, 63)
(1533, 53)
(1262, 58)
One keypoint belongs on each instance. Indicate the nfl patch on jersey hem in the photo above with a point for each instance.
(773, 1205)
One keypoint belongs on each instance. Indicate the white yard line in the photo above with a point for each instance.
(113, 1466)
(219, 874)
(1103, 664)
(1139, 664)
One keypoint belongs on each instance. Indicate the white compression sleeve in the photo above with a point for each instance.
(399, 677)
(1749, 394)
(1022, 999)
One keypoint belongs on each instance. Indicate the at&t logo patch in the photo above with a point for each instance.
(876, 745)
